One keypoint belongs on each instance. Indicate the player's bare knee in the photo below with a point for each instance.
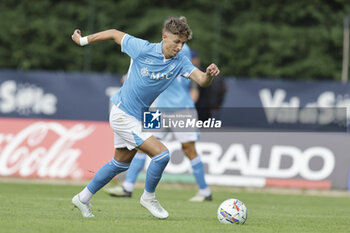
(152, 147)
(124, 155)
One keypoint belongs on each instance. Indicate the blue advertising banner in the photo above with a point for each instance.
(258, 105)
(56, 95)
(285, 93)
(286, 105)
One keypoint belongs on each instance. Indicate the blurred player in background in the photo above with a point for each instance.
(179, 95)
(153, 67)
(211, 98)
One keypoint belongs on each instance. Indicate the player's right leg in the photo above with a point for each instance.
(127, 136)
(126, 189)
(118, 164)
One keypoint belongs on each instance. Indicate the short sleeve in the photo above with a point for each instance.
(187, 68)
(133, 46)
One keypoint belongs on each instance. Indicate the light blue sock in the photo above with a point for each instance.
(137, 163)
(155, 170)
(106, 173)
(198, 172)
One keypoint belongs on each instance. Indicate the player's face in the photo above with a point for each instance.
(172, 44)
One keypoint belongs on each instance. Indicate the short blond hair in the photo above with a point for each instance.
(178, 26)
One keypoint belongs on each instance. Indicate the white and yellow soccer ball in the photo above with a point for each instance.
(232, 211)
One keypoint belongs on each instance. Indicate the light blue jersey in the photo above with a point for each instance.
(149, 74)
(177, 95)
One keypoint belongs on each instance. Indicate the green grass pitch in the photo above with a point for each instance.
(47, 208)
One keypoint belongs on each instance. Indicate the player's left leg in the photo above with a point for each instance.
(204, 193)
(160, 158)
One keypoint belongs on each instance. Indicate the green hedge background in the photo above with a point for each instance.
(250, 38)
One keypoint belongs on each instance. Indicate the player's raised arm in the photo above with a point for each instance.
(111, 34)
(205, 79)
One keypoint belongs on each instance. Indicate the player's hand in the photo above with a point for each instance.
(212, 70)
(76, 36)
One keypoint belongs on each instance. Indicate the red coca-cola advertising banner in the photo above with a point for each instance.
(53, 148)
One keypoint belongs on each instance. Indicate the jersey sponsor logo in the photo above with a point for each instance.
(159, 75)
(155, 75)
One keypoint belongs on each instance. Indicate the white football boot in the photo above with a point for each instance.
(84, 208)
(155, 208)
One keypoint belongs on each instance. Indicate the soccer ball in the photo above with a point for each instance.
(232, 211)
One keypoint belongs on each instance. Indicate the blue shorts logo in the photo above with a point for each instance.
(152, 120)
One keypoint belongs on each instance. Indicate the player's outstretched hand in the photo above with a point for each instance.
(76, 36)
(212, 70)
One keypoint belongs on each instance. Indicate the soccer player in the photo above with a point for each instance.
(153, 67)
(176, 96)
